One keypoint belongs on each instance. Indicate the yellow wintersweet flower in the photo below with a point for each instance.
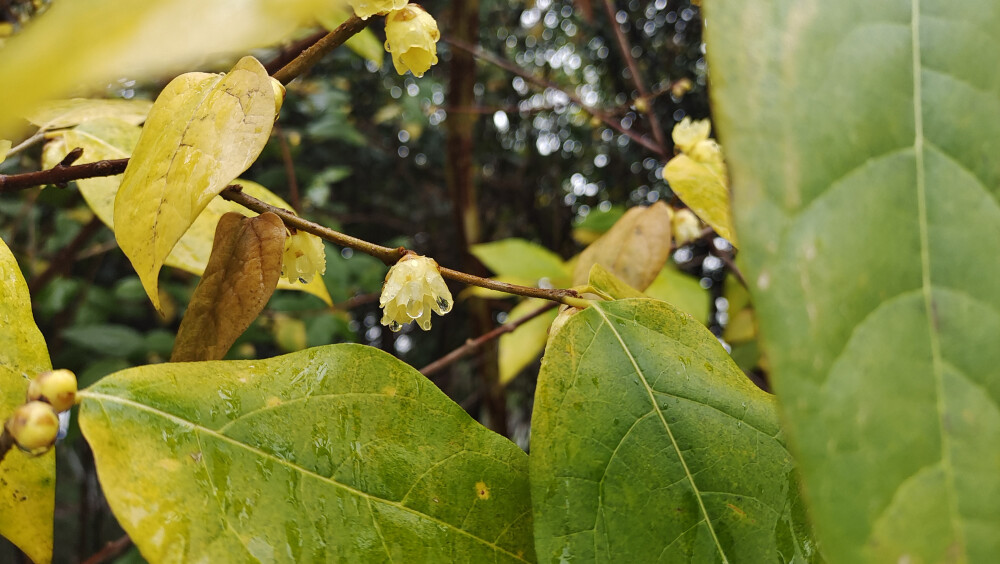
(304, 257)
(685, 226)
(412, 290)
(365, 9)
(411, 36)
(689, 133)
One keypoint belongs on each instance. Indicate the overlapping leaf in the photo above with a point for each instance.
(27, 485)
(110, 138)
(634, 249)
(649, 444)
(334, 453)
(59, 114)
(863, 139)
(203, 131)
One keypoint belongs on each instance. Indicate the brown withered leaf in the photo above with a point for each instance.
(634, 249)
(241, 275)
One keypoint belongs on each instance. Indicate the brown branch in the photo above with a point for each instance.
(293, 182)
(111, 550)
(60, 175)
(391, 256)
(633, 68)
(471, 345)
(600, 114)
(287, 54)
(305, 60)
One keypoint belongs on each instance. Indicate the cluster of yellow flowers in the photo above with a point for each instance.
(411, 33)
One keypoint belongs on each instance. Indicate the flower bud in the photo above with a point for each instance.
(34, 427)
(411, 36)
(279, 95)
(365, 9)
(686, 227)
(412, 290)
(56, 387)
(304, 257)
(689, 133)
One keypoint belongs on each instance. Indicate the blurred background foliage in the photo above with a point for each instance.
(363, 150)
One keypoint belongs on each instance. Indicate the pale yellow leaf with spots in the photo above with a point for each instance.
(203, 131)
(27, 484)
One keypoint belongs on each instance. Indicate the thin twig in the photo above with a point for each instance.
(305, 60)
(293, 182)
(391, 256)
(26, 143)
(287, 54)
(111, 550)
(61, 175)
(471, 345)
(640, 85)
(608, 119)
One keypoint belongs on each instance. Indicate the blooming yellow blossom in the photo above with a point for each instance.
(689, 133)
(412, 290)
(411, 37)
(685, 226)
(304, 257)
(365, 9)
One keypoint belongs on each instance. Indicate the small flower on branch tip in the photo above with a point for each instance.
(55, 387)
(304, 257)
(412, 290)
(365, 9)
(411, 36)
(687, 134)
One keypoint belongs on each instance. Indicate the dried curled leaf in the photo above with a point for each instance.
(241, 275)
(634, 249)
(203, 131)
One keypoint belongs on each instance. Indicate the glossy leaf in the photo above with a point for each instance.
(334, 453)
(92, 43)
(203, 131)
(27, 484)
(115, 139)
(866, 190)
(520, 259)
(59, 114)
(648, 444)
(521, 347)
(634, 250)
(241, 275)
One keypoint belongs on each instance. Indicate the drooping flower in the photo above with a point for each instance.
(412, 290)
(304, 257)
(55, 387)
(365, 9)
(411, 37)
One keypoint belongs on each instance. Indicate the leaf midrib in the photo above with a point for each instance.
(666, 427)
(925, 267)
(101, 398)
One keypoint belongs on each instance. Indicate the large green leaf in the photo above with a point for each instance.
(27, 485)
(863, 139)
(522, 259)
(648, 444)
(338, 453)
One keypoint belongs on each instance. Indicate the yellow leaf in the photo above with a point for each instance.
(203, 131)
(90, 43)
(704, 188)
(59, 114)
(114, 139)
(27, 485)
(681, 291)
(634, 249)
(5, 146)
(241, 275)
(521, 347)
